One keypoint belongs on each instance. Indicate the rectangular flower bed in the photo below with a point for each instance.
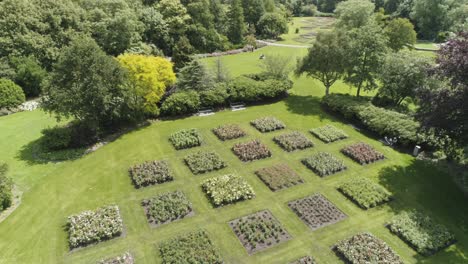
(279, 177)
(230, 131)
(259, 231)
(250, 151)
(317, 211)
(421, 232)
(364, 192)
(90, 227)
(194, 247)
(366, 248)
(305, 260)
(324, 164)
(150, 173)
(267, 124)
(202, 162)
(362, 153)
(227, 189)
(126, 258)
(329, 133)
(167, 207)
(186, 138)
(293, 141)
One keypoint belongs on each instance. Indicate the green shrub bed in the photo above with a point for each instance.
(364, 192)
(329, 133)
(227, 189)
(305, 260)
(186, 138)
(293, 141)
(6, 188)
(278, 177)
(250, 151)
(366, 248)
(421, 232)
(324, 164)
(94, 226)
(259, 231)
(267, 124)
(194, 247)
(228, 132)
(167, 207)
(126, 258)
(150, 173)
(362, 153)
(202, 162)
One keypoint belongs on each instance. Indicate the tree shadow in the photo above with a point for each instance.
(305, 105)
(34, 153)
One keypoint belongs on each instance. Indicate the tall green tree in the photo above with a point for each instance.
(271, 25)
(354, 13)
(431, 17)
(253, 11)
(181, 55)
(237, 27)
(176, 16)
(195, 76)
(156, 29)
(400, 33)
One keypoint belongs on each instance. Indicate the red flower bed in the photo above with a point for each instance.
(362, 153)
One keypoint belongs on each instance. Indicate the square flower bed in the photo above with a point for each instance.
(250, 151)
(279, 177)
(421, 232)
(150, 173)
(366, 248)
(230, 131)
(259, 231)
(90, 227)
(362, 153)
(324, 164)
(167, 207)
(227, 189)
(293, 141)
(193, 247)
(126, 258)
(364, 192)
(267, 124)
(305, 260)
(202, 162)
(186, 138)
(329, 133)
(317, 211)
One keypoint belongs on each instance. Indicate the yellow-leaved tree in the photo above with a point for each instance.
(148, 78)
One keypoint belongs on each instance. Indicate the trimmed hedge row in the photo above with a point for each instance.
(6, 186)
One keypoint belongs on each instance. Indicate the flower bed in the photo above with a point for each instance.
(250, 151)
(364, 192)
(304, 260)
(317, 211)
(366, 248)
(267, 124)
(201, 162)
(186, 138)
(279, 176)
(228, 132)
(293, 141)
(167, 207)
(329, 133)
(362, 153)
(150, 173)
(259, 231)
(94, 226)
(421, 232)
(126, 258)
(227, 189)
(194, 247)
(324, 164)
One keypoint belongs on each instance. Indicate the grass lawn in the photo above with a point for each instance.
(308, 29)
(35, 232)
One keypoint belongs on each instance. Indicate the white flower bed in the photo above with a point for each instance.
(29, 106)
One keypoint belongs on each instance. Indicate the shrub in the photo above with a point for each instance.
(250, 151)
(94, 226)
(329, 133)
(324, 164)
(421, 232)
(267, 124)
(167, 207)
(227, 189)
(217, 96)
(194, 247)
(73, 135)
(11, 95)
(279, 177)
(126, 258)
(29, 75)
(304, 260)
(6, 187)
(201, 162)
(364, 192)
(228, 132)
(181, 103)
(362, 153)
(150, 173)
(247, 89)
(186, 138)
(293, 141)
(56, 138)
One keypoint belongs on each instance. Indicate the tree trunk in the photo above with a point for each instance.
(359, 90)
(327, 89)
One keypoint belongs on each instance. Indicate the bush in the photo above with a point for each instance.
(201, 162)
(279, 176)
(227, 189)
(329, 133)
(73, 135)
(11, 95)
(217, 96)
(181, 103)
(6, 187)
(56, 138)
(293, 141)
(186, 138)
(167, 207)
(267, 124)
(228, 132)
(364, 192)
(150, 173)
(362, 153)
(126, 258)
(304, 260)
(250, 151)
(324, 164)
(247, 89)
(29, 75)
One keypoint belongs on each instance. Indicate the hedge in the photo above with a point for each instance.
(11, 95)
(6, 186)
(181, 103)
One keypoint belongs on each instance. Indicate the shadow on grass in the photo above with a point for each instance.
(305, 105)
(34, 153)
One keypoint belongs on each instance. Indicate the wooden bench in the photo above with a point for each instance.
(205, 112)
(237, 106)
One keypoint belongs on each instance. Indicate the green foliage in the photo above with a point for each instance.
(253, 11)
(150, 173)
(11, 95)
(362, 153)
(227, 189)
(218, 96)
(247, 89)
(56, 138)
(6, 187)
(167, 207)
(195, 76)
(365, 192)
(304, 260)
(354, 13)
(267, 124)
(202, 162)
(271, 25)
(277, 66)
(431, 17)
(186, 138)
(293, 141)
(236, 24)
(324, 164)
(230, 131)
(329, 133)
(181, 103)
(28, 75)
(400, 33)
(279, 176)
(181, 53)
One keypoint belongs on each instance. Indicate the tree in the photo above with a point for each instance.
(271, 25)
(431, 17)
(28, 75)
(6, 187)
(182, 53)
(156, 29)
(277, 66)
(400, 33)
(236, 22)
(327, 6)
(221, 72)
(175, 14)
(325, 59)
(11, 95)
(195, 76)
(269, 5)
(148, 78)
(354, 13)
(253, 11)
